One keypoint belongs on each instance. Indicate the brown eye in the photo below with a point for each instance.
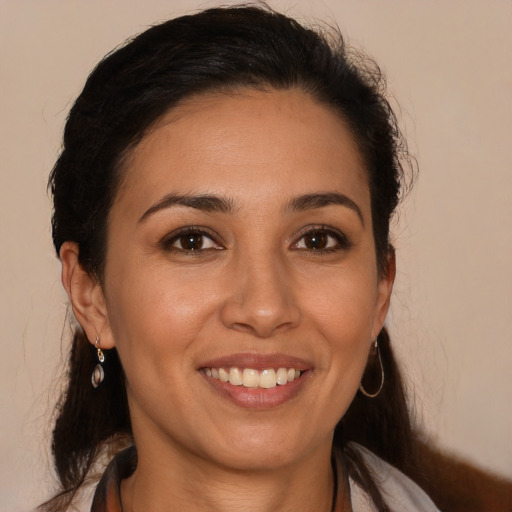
(316, 240)
(322, 240)
(190, 241)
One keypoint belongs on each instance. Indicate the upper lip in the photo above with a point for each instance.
(257, 361)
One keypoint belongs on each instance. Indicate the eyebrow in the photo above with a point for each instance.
(204, 202)
(213, 203)
(312, 201)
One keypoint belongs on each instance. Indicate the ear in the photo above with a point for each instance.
(384, 289)
(86, 296)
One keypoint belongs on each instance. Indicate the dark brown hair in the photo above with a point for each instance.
(224, 49)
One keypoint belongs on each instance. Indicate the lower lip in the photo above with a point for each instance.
(258, 398)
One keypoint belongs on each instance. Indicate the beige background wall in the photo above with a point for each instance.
(448, 64)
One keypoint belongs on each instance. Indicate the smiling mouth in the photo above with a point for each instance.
(251, 378)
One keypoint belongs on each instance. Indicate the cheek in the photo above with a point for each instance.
(343, 314)
(344, 305)
(154, 317)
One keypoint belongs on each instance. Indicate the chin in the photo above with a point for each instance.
(262, 448)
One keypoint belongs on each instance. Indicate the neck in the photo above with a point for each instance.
(194, 484)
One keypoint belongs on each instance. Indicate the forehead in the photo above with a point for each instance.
(242, 143)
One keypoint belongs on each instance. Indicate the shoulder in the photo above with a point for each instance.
(107, 497)
(399, 491)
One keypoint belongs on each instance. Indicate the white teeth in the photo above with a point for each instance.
(223, 375)
(235, 377)
(282, 376)
(268, 379)
(251, 378)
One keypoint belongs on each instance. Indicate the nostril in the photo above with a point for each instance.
(237, 326)
(260, 329)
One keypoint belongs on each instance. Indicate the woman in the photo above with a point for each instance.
(222, 208)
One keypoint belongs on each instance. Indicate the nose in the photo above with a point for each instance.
(262, 301)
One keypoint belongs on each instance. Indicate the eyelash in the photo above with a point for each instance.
(169, 241)
(340, 239)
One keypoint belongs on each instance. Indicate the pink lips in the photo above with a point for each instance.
(257, 361)
(257, 398)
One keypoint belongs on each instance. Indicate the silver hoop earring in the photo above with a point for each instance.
(98, 374)
(361, 386)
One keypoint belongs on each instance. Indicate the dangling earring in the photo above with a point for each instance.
(361, 386)
(98, 374)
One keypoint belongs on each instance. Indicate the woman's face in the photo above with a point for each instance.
(241, 242)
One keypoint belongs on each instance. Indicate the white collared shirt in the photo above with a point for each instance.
(400, 493)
